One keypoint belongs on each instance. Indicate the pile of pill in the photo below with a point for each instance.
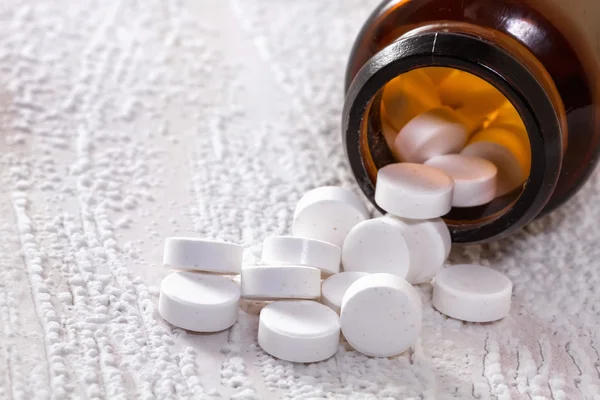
(310, 302)
(460, 124)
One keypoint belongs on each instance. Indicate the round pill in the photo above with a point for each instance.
(327, 214)
(408, 95)
(507, 152)
(414, 191)
(474, 178)
(334, 288)
(203, 255)
(429, 243)
(302, 251)
(281, 282)
(199, 302)
(381, 315)
(377, 245)
(435, 132)
(299, 331)
(472, 293)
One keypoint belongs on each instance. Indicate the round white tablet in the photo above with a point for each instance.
(334, 288)
(377, 245)
(381, 315)
(472, 293)
(281, 282)
(199, 302)
(414, 191)
(432, 133)
(511, 172)
(203, 255)
(299, 331)
(293, 250)
(429, 243)
(328, 213)
(474, 178)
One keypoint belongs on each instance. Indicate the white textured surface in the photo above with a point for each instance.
(124, 122)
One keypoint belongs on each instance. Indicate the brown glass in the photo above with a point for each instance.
(554, 84)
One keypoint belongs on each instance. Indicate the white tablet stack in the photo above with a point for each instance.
(372, 302)
(200, 296)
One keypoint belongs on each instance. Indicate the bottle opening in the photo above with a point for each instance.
(437, 110)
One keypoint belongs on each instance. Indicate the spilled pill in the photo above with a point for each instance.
(328, 213)
(199, 302)
(202, 255)
(334, 288)
(381, 315)
(299, 331)
(429, 243)
(472, 293)
(377, 245)
(267, 282)
(302, 251)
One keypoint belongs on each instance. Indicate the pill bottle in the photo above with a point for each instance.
(541, 55)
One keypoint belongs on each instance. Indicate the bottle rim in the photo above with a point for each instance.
(490, 62)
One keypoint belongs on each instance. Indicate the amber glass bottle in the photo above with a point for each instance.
(542, 55)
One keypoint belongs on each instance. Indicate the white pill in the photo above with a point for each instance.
(203, 255)
(199, 302)
(414, 191)
(328, 213)
(299, 331)
(377, 245)
(474, 178)
(511, 172)
(281, 282)
(429, 243)
(432, 133)
(292, 250)
(381, 315)
(472, 293)
(334, 288)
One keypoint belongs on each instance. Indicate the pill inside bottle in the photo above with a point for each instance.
(434, 111)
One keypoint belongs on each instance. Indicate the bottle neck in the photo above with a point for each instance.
(497, 59)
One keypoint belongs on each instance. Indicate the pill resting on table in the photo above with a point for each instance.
(328, 213)
(334, 288)
(293, 250)
(472, 293)
(202, 255)
(381, 315)
(199, 302)
(429, 243)
(432, 133)
(414, 191)
(474, 178)
(299, 331)
(281, 282)
(377, 245)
